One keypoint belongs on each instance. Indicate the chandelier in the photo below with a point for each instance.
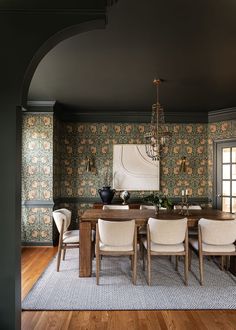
(156, 137)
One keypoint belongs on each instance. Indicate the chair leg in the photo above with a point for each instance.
(222, 263)
(176, 262)
(144, 256)
(201, 267)
(135, 269)
(186, 266)
(97, 267)
(189, 258)
(59, 256)
(149, 267)
(64, 253)
(141, 248)
(227, 262)
(132, 262)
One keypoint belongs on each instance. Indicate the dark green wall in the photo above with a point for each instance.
(22, 35)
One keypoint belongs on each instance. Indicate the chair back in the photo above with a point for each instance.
(116, 233)
(150, 207)
(115, 207)
(60, 215)
(167, 231)
(217, 232)
(190, 207)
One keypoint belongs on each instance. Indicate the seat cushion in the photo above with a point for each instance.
(71, 236)
(112, 248)
(212, 248)
(165, 247)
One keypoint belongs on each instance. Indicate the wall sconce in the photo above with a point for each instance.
(89, 164)
(183, 165)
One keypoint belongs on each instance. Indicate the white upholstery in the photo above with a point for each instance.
(165, 247)
(60, 215)
(167, 231)
(71, 236)
(191, 207)
(115, 248)
(116, 233)
(68, 238)
(213, 248)
(115, 207)
(150, 207)
(218, 232)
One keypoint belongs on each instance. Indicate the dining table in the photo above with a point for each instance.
(90, 217)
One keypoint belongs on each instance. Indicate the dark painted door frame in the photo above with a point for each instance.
(217, 199)
(23, 32)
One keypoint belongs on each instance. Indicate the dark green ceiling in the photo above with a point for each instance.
(191, 45)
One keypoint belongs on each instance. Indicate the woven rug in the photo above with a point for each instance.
(65, 290)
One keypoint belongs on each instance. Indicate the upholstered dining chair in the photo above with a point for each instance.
(142, 231)
(215, 238)
(150, 207)
(166, 238)
(68, 239)
(190, 207)
(115, 207)
(116, 238)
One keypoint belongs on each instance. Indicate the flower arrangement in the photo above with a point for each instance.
(158, 200)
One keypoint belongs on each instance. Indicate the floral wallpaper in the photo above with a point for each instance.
(95, 141)
(37, 177)
(55, 158)
(217, 131)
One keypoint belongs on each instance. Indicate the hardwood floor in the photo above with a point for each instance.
(35, 260)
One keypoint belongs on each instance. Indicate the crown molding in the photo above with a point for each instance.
(34, 107)
(65, 113)
(222, 115)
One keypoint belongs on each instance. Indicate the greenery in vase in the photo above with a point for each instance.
(159, 200)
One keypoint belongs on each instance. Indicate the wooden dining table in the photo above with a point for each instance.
(90, 217)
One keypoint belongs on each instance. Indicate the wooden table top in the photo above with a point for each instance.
(141, 216)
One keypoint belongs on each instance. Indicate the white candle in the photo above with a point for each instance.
(186, 192)
(182, 192)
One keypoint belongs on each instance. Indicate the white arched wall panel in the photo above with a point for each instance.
(133, 169)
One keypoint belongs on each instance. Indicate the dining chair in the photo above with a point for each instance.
(215, 238)
(166, 238)
(142, 231)
(150, 207)
(68, 239)
(115, 207)
(190, 207)
(116, 238)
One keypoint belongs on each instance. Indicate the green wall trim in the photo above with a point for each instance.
(91, 200)
(37, 203)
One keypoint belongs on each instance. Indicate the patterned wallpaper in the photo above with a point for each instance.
(217, 131)
(54, 164)
(37, 177)
(96, 141)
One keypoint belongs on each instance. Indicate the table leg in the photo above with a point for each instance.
(85, 259)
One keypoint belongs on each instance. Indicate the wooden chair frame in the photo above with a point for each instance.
(132, 254)
(63, 246)
(150, 253)
(202, 253)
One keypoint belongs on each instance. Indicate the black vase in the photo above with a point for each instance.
(106, 194)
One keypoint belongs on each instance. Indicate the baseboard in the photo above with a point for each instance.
(36, 244)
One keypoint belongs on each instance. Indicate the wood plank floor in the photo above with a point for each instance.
(35, 260)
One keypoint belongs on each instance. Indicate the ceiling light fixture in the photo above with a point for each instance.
(157, 137)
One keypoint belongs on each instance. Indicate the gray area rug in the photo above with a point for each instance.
(67, 291)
